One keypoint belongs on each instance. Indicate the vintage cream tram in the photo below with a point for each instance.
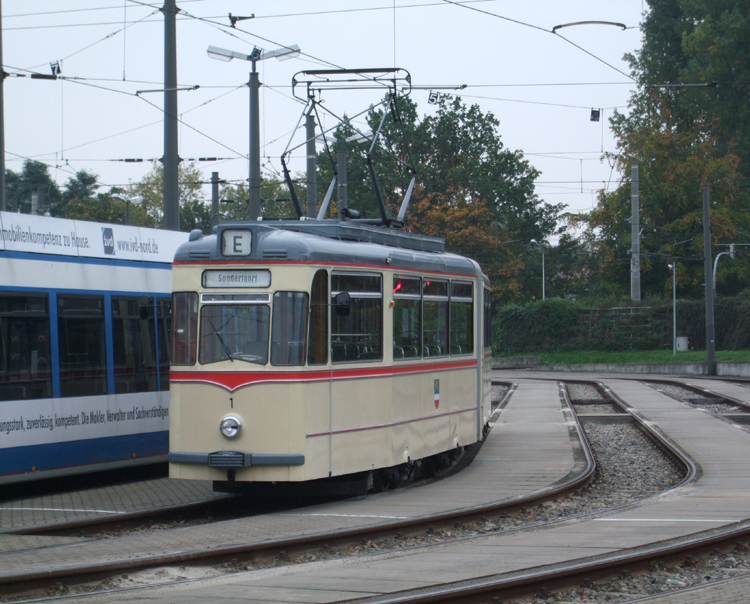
(308, 350)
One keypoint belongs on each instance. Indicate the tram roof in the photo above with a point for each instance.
(330, 242)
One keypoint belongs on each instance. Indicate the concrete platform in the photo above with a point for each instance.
(528, 450)
(720, 497)
(105, 502)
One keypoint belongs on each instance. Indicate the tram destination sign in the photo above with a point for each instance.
(237, 278)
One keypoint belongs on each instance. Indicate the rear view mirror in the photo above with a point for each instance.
(343, 304)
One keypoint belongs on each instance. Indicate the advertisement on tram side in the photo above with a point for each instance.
(45, 235)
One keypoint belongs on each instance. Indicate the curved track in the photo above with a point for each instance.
(710, 507)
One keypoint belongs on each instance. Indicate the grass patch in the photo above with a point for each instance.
(637, 356)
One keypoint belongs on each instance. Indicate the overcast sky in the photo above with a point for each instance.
(540, 86)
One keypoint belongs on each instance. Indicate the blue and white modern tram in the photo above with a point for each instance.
(84, 356)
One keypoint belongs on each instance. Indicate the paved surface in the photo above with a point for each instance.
(732, 390)
(731, 591)
(720, 497)
(529, 449)
(109, 501)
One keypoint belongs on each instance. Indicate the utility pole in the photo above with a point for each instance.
(2, 118)
(214, 199)
(342, 193)
(254, 157)
(707, 269)
(635, 235)
(171, 160)
(312, 175)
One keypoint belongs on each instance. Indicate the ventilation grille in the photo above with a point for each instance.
(226, 459)
(278, 254)
(200, 254)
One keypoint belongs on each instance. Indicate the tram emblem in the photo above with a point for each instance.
(437, 393)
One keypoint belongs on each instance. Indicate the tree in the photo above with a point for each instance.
(34, 176)
(275, 201)
(470, 190)
(195, 212)
(683, 137)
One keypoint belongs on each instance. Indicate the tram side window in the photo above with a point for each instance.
(317, 352)
(185, 321)
(25, 371)
(407, 317)
(462, 318)
(82, 341)
(358, 336)
(289, 328)
(134, 351)
(234, 332)
(435, 317)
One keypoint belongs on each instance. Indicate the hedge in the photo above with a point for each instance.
(560, 325)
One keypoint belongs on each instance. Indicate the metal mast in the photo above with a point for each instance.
(171, 160)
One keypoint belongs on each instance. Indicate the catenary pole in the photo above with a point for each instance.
(635, 235)
(254, 158)
(171, 160)
(214, 199)
(708, 269)
(341, 158)
(312, 176)
(3, 206)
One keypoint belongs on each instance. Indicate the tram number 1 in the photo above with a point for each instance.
(231, 403)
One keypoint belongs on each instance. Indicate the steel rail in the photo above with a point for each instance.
(88, 571)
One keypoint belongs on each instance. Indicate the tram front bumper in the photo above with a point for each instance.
(237, 459)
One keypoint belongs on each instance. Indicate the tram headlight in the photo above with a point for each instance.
(230, 426)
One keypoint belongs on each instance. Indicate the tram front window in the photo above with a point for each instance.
(234, 332)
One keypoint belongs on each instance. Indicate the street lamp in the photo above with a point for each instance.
(137, 200)
(222, 54)
(541, 247)
(673, 268)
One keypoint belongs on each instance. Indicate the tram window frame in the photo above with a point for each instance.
(437, 345)
(238, 345)
(25, 370)
(407, 317)
(185, 324)
(289, 328)
(317, 351)
(487, 332)
(461, 321)
(134, 360)
(164, 347)
(82, 344)
(357, 337)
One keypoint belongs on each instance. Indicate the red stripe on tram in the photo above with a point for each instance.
(233, 380)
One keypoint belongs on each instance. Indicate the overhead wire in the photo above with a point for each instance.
(530, 25)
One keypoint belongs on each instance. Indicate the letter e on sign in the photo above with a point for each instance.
(236, 242)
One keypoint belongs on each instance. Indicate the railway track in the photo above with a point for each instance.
(599, 576)
(390, 532)
(462, 525)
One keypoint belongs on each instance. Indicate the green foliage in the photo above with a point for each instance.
(562, 325)
(543, 325)
(598, 357)
(683, 137)
(470, 190)
(33, 176)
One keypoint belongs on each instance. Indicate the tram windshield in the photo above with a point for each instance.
(234, 332)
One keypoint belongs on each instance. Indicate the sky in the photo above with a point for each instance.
(540, 86)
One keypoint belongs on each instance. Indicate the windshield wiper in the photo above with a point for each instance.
(221, 340)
